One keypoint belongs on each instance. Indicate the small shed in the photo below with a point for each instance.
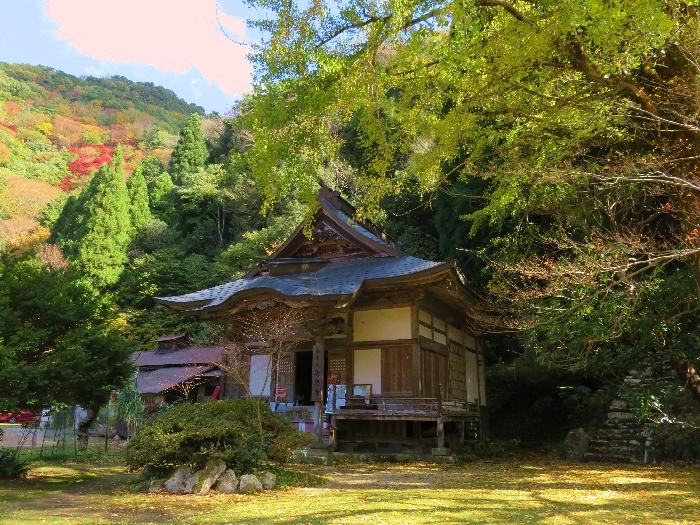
(386, 355)
(176, 370)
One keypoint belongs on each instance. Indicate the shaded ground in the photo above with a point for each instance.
(528, 491)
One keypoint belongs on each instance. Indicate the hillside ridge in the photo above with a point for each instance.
(56, 129)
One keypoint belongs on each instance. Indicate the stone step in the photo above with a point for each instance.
(606, 458)
(617, 437)
(619, 429)
(614, 451)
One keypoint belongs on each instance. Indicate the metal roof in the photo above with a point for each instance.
(190, 355)
(336, 279)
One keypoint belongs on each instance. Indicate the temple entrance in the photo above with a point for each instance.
(302, 377)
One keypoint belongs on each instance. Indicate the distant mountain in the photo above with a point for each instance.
(57, 129)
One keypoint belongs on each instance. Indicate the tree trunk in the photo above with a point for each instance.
(689, 376)
(82, 434)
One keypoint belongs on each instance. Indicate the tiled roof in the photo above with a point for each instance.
(340, 278)
(190, 355)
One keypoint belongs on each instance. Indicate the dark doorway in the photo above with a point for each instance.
(302, 377)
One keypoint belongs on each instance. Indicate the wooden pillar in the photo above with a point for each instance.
(317, 384)
(333, 438)
(440, 433)
(415, 354)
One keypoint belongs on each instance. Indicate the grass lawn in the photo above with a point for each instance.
(539, 491)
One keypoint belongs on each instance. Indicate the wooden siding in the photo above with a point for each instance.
(396, 371)
(434, 374)
(458, 373)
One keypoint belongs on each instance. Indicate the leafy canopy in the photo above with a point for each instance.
(56, 342)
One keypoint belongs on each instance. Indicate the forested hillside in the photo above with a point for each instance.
(131, 206)
(57, 129)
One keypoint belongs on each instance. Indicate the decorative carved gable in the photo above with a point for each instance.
(336, 234)
(327, 243)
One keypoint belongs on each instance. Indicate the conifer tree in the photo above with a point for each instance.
(139, 210)
(105, 229)
(163, 198)
(190, 153)
(63, 230)
(150, 167)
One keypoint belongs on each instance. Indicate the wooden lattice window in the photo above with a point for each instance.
(286, 366)
(336, 368)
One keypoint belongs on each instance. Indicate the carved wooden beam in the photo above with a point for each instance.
(317, 370)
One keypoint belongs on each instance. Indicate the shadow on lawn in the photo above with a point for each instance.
(71, 492)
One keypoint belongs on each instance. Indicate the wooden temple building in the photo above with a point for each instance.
(380, 353)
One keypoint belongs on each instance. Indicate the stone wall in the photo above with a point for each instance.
(621, 437)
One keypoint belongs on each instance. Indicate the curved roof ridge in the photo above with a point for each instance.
(337, 279)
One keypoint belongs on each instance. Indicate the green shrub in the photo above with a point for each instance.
(675, 442)
(11, 466)
(244, 433)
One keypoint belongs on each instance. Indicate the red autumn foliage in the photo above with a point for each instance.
(11, 127)
(88, 159)
(11, 107)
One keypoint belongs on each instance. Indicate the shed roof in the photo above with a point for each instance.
(191, 355)
(170, 337)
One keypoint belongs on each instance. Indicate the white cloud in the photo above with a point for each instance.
(171, 35)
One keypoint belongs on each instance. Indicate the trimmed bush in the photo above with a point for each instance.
(11, 466)
(243, 433)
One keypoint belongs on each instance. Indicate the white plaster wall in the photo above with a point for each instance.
(439, 324)
(455, 334)
(382, 324)
(260, 375)
(472, 377)
(367, 368)
(425, 331)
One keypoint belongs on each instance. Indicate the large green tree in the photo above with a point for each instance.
(139, 211)
(190, 153)
(150, 167)
(95, 227)
(56, 342)
(580, 119)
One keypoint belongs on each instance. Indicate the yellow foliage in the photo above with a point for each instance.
(122, 322)
(5, 154)
(25, 242)
(45, 128)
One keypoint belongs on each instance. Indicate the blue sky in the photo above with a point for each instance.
(138, 39)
